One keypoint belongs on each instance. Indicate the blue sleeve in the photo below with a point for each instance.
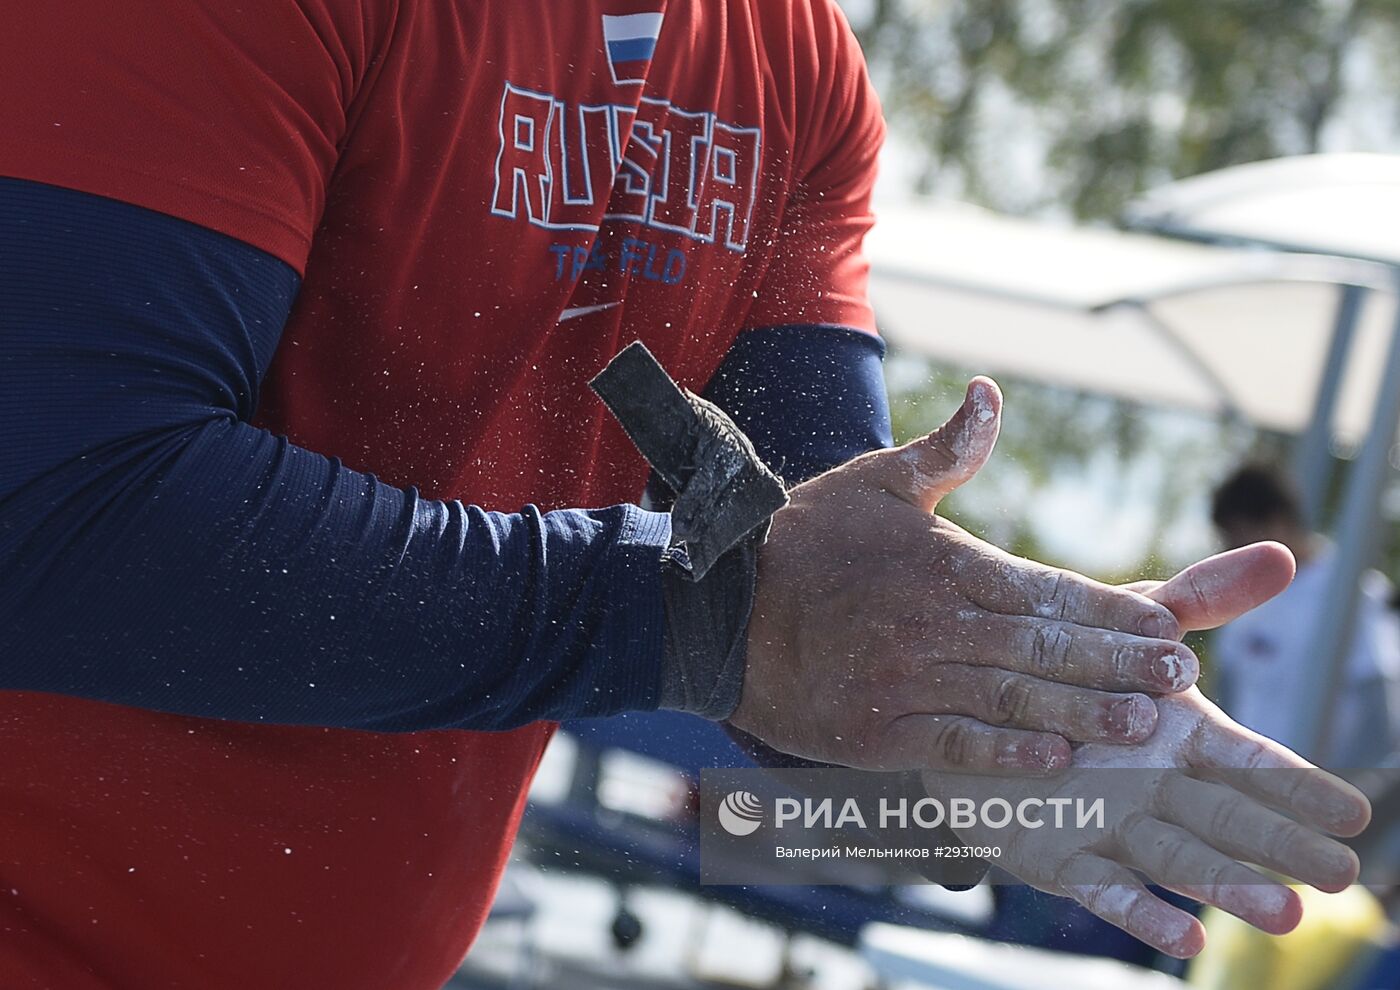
(809, 397)
(156, 550)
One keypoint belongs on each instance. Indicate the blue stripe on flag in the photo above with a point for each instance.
(631, 50)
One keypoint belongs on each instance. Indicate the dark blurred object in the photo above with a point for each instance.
(1256, 497)
(1264, 660)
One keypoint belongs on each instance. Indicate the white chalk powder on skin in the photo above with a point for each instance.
(1173, 666)
(1167, 748)
(981, 404)
(1163, 927)
(912, 458)
(973, 440)
(970, 445)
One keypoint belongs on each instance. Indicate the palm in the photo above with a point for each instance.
(1178, 825)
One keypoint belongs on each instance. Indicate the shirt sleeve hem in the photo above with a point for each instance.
(633, 675)
(233, 216)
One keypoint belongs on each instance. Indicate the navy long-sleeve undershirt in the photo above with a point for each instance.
(157, 550)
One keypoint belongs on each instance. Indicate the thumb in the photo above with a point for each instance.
(925, 471)
(1213, 591)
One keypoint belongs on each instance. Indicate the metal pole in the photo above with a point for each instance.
(1330, 642)
(1312, 464)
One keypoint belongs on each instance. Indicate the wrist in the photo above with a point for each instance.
(706, 647)
(724, 500)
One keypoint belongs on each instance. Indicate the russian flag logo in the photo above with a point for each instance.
(631, 42)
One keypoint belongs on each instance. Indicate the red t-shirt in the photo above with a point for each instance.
(487, 200)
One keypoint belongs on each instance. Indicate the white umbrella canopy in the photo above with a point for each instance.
(1210, 328)
(1342, 204)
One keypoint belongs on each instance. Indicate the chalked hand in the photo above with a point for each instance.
(1191, 805)
(885, 637)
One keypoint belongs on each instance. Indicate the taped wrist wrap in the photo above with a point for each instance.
(725, 498)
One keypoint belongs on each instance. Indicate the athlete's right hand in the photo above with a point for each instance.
(885, 637)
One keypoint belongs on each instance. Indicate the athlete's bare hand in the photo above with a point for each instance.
(885, 637)
(1191, 835)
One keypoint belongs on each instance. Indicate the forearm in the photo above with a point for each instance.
(229, 574)
(156, 550)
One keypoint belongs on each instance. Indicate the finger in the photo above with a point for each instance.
(1175, 858)
(925, 471)
(1215, 590)
(1005, 698)
(1083, 655)
(1145, 588)
(956, 742)
(1274, 774)
(1245, 830)
(1010, 585)
(1108, 890)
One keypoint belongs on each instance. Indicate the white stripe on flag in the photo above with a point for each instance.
(629, 27)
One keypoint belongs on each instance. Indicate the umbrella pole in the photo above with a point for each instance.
(1357, 541)
(1313, 460)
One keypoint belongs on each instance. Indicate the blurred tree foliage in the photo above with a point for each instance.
(1091, 101)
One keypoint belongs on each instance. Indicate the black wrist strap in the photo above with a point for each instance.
(725, 497)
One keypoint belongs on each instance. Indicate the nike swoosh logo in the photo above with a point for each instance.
(574, 311)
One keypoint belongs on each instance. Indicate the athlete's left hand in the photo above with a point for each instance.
(1189, 835)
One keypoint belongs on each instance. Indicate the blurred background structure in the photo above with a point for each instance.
(1171, 230)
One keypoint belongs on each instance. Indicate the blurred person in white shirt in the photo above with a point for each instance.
(1261, 656)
